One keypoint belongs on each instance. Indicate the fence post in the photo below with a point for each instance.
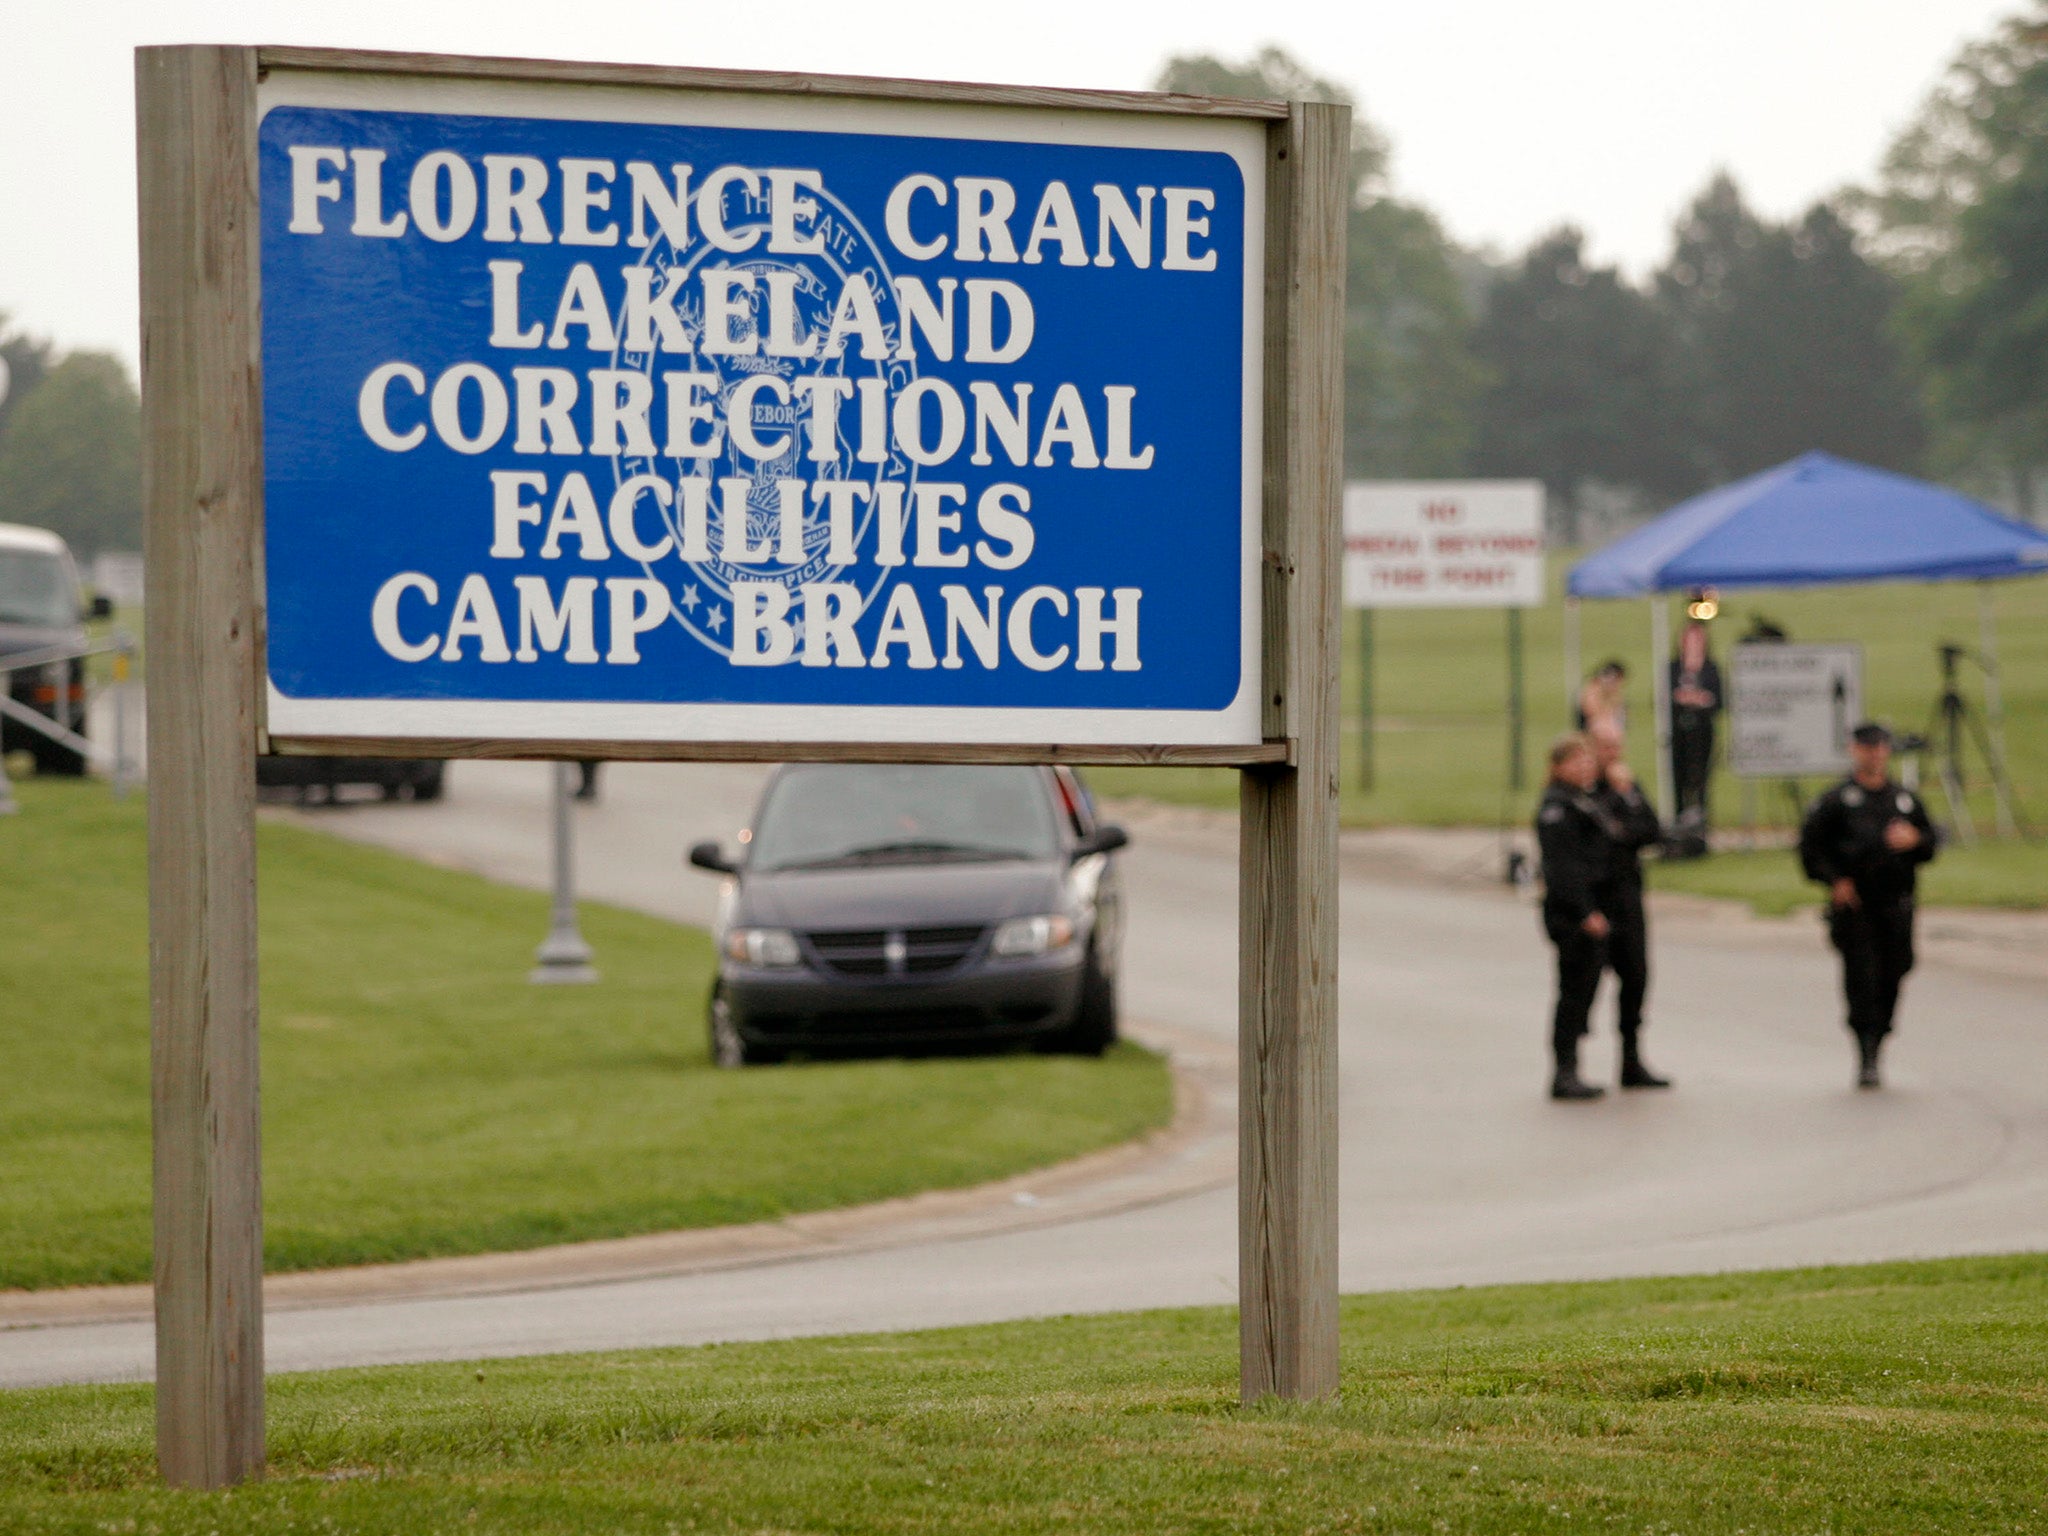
(1367, 768)
(1517, 749)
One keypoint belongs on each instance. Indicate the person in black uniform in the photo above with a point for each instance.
(1633, 827)
(1865, 840)
(1695, 701)
(1577, 839)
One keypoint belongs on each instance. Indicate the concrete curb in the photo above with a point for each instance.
(1195, 1151)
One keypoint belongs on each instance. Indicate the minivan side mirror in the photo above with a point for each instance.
(712, 857)
(102, 607)
(1102, 840)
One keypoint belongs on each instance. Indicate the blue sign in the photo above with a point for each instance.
(827, 422)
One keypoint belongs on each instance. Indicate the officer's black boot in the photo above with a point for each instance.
(1867, 1047)
(1633, 1073)
(1567, 1084)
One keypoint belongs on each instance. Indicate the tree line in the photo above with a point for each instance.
(1903, 323)
(70, 443)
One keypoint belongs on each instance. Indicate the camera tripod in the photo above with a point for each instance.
(1953, 727)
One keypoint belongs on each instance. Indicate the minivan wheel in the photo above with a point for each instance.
(1094, 1028)
(729, 1047)
(57, 760)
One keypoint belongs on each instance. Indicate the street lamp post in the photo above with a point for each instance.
(563, 955)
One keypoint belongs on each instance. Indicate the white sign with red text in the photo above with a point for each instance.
(1443, 544)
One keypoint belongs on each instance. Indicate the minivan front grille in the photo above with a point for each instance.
(854, 952)
(893, 951)
(937, 949)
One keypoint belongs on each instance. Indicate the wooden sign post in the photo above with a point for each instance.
(1287, 813)
(260, 633)
(203, 499)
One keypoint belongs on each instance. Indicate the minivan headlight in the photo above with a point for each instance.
(1037, 935)
(767, 947)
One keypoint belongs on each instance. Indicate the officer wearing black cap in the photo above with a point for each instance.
(1865, 840)
(1577, 838)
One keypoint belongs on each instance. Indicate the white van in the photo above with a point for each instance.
(43, 606)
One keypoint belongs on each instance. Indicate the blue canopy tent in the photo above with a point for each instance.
(1815, 521)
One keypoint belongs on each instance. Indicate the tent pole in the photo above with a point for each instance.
(1572, 675)
(1660, 691)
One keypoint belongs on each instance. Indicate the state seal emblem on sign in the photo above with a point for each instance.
(779, 417)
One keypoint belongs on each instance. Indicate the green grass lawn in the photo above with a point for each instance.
(1900, 1398)
(420, 1097)
(1441, 682)
(1985, 875)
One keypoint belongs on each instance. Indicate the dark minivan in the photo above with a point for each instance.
(911, 906)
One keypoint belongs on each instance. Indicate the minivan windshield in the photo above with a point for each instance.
(35, 589)
(826, 815)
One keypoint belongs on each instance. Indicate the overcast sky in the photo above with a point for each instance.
(1507, 117)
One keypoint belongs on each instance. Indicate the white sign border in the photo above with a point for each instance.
(1356, 493)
